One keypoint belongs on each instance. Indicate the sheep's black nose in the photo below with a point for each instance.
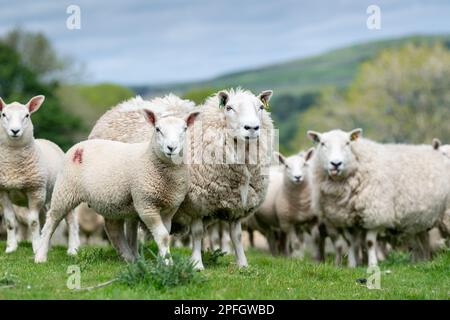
(297, 177)
(336, 164)
(15, 131)
(256, 128)
(170, 148)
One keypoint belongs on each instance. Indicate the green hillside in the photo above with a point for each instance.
(334, 68)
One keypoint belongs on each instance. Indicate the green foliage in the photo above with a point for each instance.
(160, 274)
(89, 256)
(211, 257)
(18, 83)
(199, 95)
(8, 279)
(403, 95)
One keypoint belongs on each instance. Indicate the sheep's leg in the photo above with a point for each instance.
(197, 237)
(11, 224)
(73, 230)
(225, 240)
(236, 238)
(272, 242)
(154, 222)
(116, 234)
(132, 226)
(214, 236)
(371, 243)
(295, 243)
(318, 234)
(54, 217)
(352, 248)
(35, 204)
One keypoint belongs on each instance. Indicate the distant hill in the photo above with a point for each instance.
(334, 68)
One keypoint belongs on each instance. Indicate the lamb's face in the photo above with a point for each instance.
(296, 166)
(15, 117)
(170, 132)
(243, 112)
(445, 150)
(334, 151)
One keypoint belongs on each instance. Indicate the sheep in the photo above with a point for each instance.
(228, 191)
(377, 187)
(444, 223)
(91, 225)
(287, 206)
(29, 167)
(145, 181)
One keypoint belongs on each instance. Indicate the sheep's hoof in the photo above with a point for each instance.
(40, 259)
(199, 266)
(72, 251)
(10, 249)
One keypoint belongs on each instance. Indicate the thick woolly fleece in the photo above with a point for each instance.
(391, 186)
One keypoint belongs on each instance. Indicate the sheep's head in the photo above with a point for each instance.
(334, 151)
(444, 149)
(243, 111)
(296, 166)
(15, 117)
(170, 131)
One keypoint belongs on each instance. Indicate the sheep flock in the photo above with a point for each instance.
(205, 175)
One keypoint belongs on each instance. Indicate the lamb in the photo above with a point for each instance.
(232, 121)
(377, 187)
(29, 167)
(287, 206)
(91, 225)
(145, 181)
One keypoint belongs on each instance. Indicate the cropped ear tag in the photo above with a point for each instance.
(266, 105)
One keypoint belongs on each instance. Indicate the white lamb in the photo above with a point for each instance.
(29, 166)
(232, 120)
(121, 181)
(363, 184)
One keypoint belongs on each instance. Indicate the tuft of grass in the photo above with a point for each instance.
(397, 258)
(8, 280)
(88, 256)
(160, 274)
(211, 257)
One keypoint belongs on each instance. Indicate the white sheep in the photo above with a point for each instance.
(229, 190)
(444, 223)
(29, 166)
(377, 187)
(123, 181)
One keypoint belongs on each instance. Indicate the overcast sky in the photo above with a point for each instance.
(160, 41)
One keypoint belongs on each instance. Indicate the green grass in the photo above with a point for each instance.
(267, 278)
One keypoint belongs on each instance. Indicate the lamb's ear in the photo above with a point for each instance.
(265, 96)
(35, 103)
(355, 134)
(314, 136)
(191, 118)
(280, 158)
(223, 98)
(150, 116)
(436, 143)
(309, 154)
(2, 104)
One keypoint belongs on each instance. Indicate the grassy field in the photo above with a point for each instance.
(267, 278)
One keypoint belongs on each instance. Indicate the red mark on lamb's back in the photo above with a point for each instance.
(78, 156)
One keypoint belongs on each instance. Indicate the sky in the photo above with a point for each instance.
(149, 42)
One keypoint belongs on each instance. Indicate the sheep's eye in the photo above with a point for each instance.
(185, 128)
(347, 143)
(158, 130)
(229, 108)
(261, 107)
(3, 115)
(322, 144)
(27, 116)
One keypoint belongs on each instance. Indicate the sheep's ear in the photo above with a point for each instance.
(314, 136)
(191, 117)
(280, 158)
(223, 98)
(35, 103)
(265, 96)
(309, 154)
(150, 116)
(355, 134)
(2, 104)
(436, 143)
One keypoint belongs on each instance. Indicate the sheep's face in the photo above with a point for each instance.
(170, 132)
(445, 150)
(15, 117)
(243, 112)
(295, 167)
(334, 151)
